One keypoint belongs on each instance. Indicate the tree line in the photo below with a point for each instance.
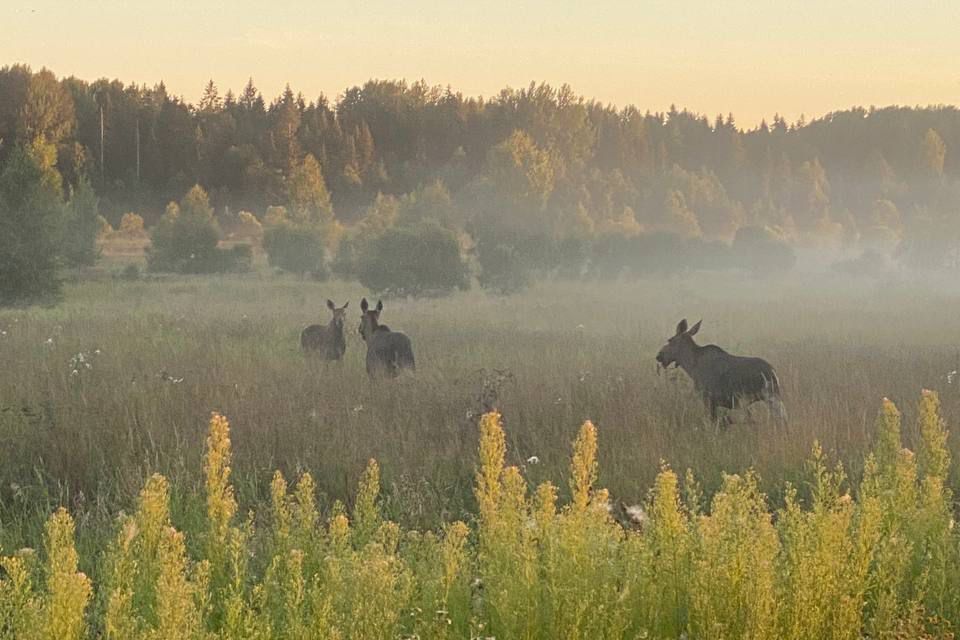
(537, 171)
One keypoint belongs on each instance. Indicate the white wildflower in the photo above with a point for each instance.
(533, 460)
(637, 515)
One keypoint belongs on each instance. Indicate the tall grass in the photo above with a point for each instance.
(169, 351)
(158, 355)
(881, 559)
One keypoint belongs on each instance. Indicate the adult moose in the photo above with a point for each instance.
(388, 352)
(723, 379)
(326, 340)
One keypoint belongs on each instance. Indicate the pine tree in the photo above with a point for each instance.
(30, 216)
(285, 128)
(210, 102)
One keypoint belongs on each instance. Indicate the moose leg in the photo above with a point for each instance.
(778, 410)
(712, 406)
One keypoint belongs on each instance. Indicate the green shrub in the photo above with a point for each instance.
(185, 240)
(30, 217)
(295, 249)
(413, 260)
(504, 267)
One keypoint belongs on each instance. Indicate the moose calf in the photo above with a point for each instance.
(326, 340)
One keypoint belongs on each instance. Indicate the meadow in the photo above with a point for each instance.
(116, 385)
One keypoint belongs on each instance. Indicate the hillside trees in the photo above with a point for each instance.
(529, 170)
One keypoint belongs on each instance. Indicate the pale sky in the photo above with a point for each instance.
(747, 57)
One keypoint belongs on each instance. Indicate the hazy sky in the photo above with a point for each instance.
(742, 56)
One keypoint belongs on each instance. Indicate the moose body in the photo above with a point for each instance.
(328, 340)
(723, 379)
(388, 352)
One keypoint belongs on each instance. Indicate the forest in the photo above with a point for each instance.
(539, 171)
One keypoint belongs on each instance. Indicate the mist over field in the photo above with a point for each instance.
(406, 362)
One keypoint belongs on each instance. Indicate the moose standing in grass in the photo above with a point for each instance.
(388, 352)
(328, 340)
(724, 380)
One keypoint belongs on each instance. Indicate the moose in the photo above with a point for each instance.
(722, 379)
(388, 352)
(326, 340)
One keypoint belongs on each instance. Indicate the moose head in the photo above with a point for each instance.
(680, 347)
(339, 314)
(369, 318)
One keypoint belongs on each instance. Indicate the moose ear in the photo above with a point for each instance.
(363, 305)
(379, 305)
(694, 328)
(330, 305)
(682, 326)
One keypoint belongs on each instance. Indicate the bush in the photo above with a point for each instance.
(185, 240)
(295, 249)
(413, 260)
(131, 226)
(30, 216)
(236, 259)
(242, 226)
(344, 264)
(760, 250)
(504, 268)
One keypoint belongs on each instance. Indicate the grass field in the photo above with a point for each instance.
(160, 355)
(556, 356)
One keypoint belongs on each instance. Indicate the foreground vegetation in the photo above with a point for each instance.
(882, 564)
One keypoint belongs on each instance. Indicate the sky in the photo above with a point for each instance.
(746, 57)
